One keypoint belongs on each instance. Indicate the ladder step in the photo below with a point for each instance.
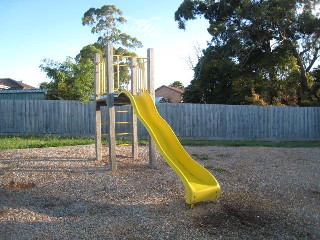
(123, 122)
(123, 111)
(123, 134)
(124, 144)
(117, 134)
(104, 123)
(119, 111)
(120, 65)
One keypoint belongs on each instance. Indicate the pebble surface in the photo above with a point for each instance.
(64, 193)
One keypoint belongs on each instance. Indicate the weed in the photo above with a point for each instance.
(204, 157)
(6, 167)
(220, 169)
(201, 157)
(224, 155)
(217, 169)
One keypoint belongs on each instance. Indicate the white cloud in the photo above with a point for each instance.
(144, 28)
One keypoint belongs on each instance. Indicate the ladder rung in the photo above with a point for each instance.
(124, 144)
(123, 134)
(123, 122)
(123, 111)
(120, 65)
(105, 123)
(118, 134)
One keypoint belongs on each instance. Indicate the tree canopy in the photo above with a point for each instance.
(261, 52)
(177, 84)
(73, 78)
(105, 22)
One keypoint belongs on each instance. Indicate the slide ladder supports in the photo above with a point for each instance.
(150, 83)
(111, 110)
(98, 143)
(104, 85)
(134, 117)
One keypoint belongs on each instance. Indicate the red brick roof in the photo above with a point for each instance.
(173, 88)
(14, 85)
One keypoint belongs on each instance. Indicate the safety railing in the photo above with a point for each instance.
(127, 70)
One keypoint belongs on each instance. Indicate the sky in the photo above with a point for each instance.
(33, 30)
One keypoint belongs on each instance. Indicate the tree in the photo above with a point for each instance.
(177, 84)
(271, 46)
(70, 80)
(73, 78)
(104, 21)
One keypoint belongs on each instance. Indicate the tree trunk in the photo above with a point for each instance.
(303, 73)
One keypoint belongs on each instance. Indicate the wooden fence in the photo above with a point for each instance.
(189, 121)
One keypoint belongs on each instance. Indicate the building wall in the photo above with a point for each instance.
(170, 95)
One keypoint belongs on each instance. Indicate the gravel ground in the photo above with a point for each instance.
(63, 193)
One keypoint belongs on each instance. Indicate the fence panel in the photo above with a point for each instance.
(189, 121)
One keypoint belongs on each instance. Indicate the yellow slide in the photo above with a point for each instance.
(200, 185)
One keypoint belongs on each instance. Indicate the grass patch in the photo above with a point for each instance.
(287, 144)
(19, 142)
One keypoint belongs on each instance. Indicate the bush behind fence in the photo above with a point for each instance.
(189, 121)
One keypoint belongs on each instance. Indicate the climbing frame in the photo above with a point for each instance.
(107, 89)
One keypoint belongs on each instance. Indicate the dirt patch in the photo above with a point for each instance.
(18, 185)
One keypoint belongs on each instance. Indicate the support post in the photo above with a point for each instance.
(111, 110)
(150, 86)
(133, 114)
(98, 142)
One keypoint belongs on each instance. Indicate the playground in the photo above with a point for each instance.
(160, 191)
(65, 193)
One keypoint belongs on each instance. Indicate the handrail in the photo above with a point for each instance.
(137, 64)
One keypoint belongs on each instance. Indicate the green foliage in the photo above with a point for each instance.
(213, 77)
(261, 52)
(177, 84)
(73, 79)
(105, 21)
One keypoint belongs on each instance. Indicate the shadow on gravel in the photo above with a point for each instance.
(250, 215)
(232, 217)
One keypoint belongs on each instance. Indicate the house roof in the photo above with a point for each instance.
(24, 91)
(172, 88)
(8, 83)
